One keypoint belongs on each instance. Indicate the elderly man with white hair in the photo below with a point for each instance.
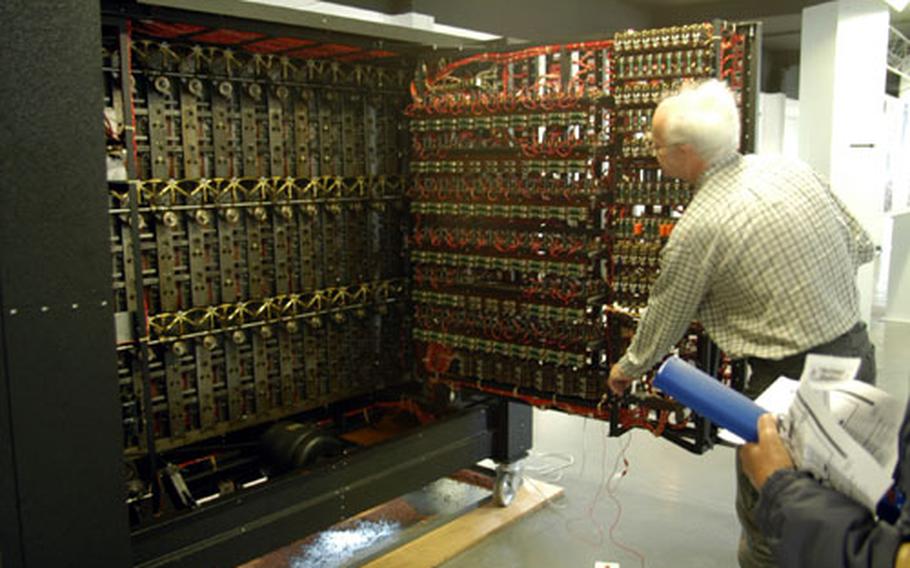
(765, 257)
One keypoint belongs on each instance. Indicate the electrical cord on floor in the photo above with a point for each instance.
(589, 520)
(558, 472)
(549, 467)
(618, 476)
(547, 473)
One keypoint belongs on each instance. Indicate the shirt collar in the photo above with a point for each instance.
(729, 162)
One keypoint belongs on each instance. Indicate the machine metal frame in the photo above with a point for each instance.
(63, 502)
(59, 415)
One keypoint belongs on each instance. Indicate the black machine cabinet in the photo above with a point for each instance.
(60, 444)
(213, 225)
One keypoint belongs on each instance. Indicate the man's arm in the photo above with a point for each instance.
(686, 267)
(862, 249)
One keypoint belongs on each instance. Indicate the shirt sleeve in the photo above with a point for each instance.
(810, 525)
(685, 272)
(860, 245)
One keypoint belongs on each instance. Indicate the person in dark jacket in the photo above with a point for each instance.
(809, 525)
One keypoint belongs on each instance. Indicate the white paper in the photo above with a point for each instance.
(843, 431)
(870, 416)
(829, 369)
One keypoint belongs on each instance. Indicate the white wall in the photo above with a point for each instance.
(770, 123)
(893, 285)
(897, 120)
(791, 128)
(778, 125)
(841, 86)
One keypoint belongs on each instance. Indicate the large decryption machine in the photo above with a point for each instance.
(227, 243)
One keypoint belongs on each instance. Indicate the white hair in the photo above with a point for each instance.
(705, 116)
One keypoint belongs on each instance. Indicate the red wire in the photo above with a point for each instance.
(135, 148)
(611, 492)
(207, 458)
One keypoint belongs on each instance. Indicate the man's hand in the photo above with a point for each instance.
(769, 455)
(618, 381)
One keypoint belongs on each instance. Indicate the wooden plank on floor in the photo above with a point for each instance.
(451, 539)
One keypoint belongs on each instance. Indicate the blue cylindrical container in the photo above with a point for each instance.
(709, 397)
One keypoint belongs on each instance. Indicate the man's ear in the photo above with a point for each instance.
(692, 155)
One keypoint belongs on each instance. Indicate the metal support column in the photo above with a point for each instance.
(512, 424)
(61, 485)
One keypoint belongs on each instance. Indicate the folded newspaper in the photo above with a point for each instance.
(842, 431)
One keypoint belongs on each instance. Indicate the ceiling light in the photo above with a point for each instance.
(897, 5)
(410, 20)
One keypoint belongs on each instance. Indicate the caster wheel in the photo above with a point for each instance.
(505, 488)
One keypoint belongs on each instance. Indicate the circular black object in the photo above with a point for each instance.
(293, 445)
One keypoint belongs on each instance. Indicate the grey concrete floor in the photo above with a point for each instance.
(677, 508)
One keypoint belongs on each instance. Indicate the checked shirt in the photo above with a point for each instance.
(764, 257)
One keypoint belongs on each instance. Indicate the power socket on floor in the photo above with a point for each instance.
(606, 565)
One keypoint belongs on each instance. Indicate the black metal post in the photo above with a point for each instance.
(60, 455)
(512, 424)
